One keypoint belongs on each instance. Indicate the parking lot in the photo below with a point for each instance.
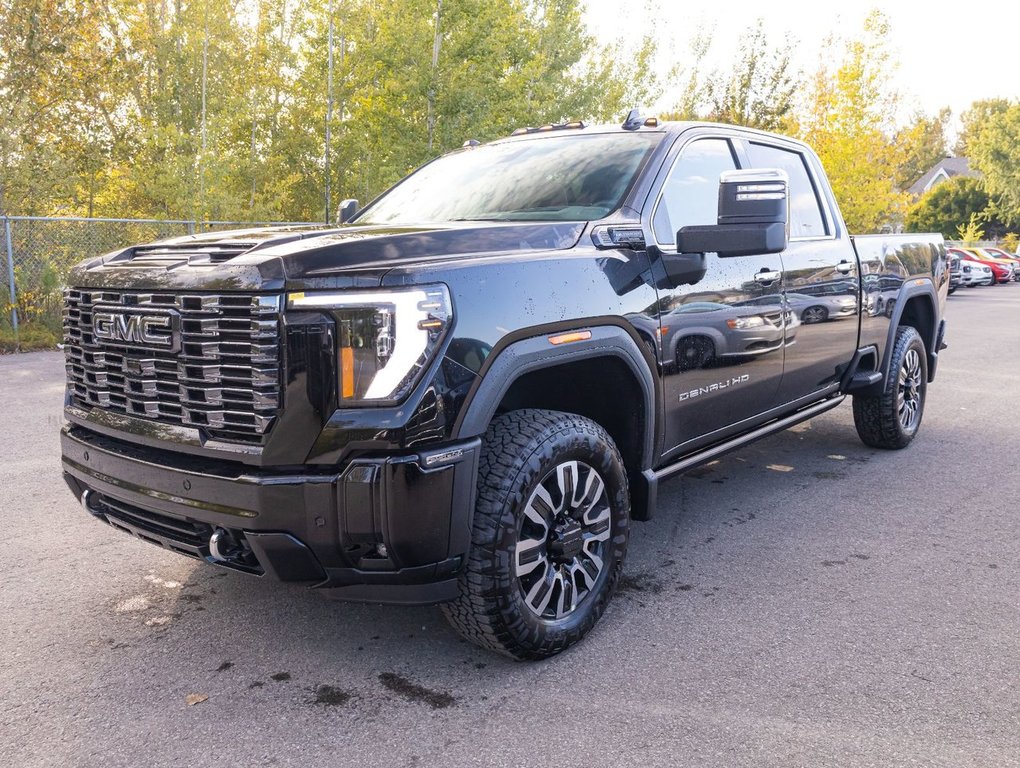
(804, 602)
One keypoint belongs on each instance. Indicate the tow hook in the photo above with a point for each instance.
(224, 548)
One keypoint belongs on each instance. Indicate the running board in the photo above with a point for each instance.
(720, 449)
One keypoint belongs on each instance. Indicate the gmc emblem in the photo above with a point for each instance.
(152, 328)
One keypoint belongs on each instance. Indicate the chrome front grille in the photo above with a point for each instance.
(221, 374)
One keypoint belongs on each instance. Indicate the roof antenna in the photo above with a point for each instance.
(633, 121)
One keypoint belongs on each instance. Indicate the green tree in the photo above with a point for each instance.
(923, 143)
(848, 120)
(758, 90)
(423, 76)
(691, 81)
(47, 59)
(950, 205)
(995, 151)
(974, 119)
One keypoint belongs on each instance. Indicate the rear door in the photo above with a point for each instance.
(820, 278)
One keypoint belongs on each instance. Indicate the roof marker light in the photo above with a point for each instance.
(567, 338)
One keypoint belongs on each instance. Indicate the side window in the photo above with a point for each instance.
(691, 193)
(806, 218)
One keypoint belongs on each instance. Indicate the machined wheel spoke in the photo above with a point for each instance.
(591, 554)
(540, 508)
(530, 554)
(579, 569)
(566, 477)
(593, 489)
(597, 515)
(565, 599)
(541, 592)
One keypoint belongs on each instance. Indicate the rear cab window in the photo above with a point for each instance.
(806, 218)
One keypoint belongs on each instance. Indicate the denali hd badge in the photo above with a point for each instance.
(149, 328)
(710, 388)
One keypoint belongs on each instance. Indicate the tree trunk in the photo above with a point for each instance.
(436, 41)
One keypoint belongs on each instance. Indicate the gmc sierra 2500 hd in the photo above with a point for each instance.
(466, 392)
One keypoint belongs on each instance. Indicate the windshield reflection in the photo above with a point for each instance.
(560, 178)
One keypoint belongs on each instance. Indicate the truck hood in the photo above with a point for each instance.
(270, 258)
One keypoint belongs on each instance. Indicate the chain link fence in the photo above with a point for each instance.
(39, 251)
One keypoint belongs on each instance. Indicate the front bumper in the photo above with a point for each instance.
(379, 528)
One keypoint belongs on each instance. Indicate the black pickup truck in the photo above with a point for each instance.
(466, 392)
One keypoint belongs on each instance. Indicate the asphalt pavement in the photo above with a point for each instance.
(807, 601)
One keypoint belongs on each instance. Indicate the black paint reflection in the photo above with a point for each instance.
(722, 344)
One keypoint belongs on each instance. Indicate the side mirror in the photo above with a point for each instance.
(346, 211)
(753, 216)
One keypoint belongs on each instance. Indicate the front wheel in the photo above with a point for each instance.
(814, 315)
(891, 420)
(694, 353)
(549, 535)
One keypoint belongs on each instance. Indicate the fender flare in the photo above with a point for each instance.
(912, 289)
(535, 353)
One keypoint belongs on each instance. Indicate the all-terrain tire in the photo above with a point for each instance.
(891, 420)
(521, 451)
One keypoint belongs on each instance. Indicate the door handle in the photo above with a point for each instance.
(767, 277)
(845, 267)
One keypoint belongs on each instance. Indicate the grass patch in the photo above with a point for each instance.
(31, 337)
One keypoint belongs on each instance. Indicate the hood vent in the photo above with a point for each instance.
(172, 256)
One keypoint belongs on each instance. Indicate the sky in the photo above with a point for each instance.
(949, 53)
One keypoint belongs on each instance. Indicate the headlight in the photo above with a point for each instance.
(743, 323)
(385, 338)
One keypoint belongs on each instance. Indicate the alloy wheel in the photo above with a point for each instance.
(910, 391)
(562, 540)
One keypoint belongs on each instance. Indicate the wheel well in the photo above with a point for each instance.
(919, 313)
(602, 389)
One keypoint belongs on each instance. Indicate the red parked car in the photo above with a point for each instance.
(1001, 254)
(1000, 272)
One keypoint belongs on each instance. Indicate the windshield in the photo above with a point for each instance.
(565, 178)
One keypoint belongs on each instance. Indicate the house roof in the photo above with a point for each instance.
(946, 168)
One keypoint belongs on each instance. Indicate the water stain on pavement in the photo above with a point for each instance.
(331, 696)
(401, 686)
(829, 475)
(639, 582)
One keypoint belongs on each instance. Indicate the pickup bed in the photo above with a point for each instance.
(466, 392)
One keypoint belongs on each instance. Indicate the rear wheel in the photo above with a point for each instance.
(549, 535)
(891, 420)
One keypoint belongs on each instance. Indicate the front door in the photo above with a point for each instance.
(722, 340)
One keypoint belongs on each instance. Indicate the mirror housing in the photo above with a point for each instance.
(753, 218)
(680, 269)
(346, 211)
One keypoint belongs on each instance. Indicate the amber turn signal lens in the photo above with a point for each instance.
(346, 372)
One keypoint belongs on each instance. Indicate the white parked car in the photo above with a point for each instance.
(976, 274)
